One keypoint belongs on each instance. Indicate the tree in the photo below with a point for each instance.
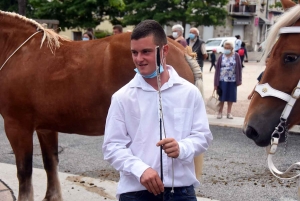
(11, 6)
(70, 13)
(22, 7)
(75, 13)
(195, 12)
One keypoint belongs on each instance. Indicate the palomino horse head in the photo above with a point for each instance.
(282, 74)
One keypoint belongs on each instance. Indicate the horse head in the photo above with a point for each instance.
(282, 74)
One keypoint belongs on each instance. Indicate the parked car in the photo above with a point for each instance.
(217, 44)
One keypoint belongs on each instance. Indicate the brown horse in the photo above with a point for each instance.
(49, 85)
(283, 75)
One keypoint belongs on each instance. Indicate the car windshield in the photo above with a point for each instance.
(213, 42)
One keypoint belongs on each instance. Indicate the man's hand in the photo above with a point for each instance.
(150, 179)
(170, 146)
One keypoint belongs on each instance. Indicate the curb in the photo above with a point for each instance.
(73, 187)
(238, 122)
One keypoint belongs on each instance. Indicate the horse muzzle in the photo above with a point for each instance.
(262, 137)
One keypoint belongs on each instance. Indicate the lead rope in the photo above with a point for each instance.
(161, 115)
(19, 48)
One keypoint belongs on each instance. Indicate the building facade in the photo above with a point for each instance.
(250, 19)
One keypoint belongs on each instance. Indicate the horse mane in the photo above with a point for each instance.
(287, 19)
(190, 57)
(50, 35)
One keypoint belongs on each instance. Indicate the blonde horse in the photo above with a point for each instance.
(50, 85)
(282, 74)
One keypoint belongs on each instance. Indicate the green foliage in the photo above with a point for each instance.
(278, 5)
(11, 6)
(70, 13)
(117, 4)
(195, 12)
(102, 34)
(89, 13)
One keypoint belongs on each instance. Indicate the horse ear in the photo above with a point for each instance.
(286, 4)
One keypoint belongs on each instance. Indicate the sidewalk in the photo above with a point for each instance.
(74, 187)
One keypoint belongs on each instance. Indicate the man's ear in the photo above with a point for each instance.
(165, 50)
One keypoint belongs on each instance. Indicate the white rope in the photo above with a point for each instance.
(161, 110)
(19, 48)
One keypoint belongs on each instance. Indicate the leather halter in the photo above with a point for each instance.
(266, 90)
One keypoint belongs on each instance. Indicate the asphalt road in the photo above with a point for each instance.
(234, 169)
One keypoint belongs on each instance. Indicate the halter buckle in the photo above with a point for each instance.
(294, 90)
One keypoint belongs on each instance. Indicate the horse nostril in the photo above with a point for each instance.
(251, 133)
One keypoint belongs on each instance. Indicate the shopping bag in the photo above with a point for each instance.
(213, 102)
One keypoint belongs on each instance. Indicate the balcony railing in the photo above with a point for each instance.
(242, 9)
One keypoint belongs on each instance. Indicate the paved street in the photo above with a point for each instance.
(234, 169)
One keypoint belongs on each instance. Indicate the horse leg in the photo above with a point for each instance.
(49, 146)
(20, 138)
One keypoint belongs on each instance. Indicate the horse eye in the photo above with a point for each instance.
(290, 58)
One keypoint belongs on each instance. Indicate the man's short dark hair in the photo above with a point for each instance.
(147, 28)
(238, 36)
(90, 30)
(119, 27)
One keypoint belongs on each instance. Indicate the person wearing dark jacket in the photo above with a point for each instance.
(197, 46)
(243, 52)
(213, 60)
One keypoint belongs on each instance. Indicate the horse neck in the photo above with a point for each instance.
(13, 33)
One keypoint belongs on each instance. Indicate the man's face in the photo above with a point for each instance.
(143, 54)
(194, 32)
(116, 31)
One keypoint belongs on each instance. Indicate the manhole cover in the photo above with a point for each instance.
(6, 194)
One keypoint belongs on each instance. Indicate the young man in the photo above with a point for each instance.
(197, 46)
(117, 29)
(132, 133)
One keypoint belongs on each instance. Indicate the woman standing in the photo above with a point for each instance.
(177, 33)
(228, 76)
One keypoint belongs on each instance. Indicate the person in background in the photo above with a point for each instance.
(197, 46)
(87, 36)
(132, 131)
(91, 31)
(243, 53)
(228, 76)
(213, 59)
(117, 29)
(238, 43)
(177, 33)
